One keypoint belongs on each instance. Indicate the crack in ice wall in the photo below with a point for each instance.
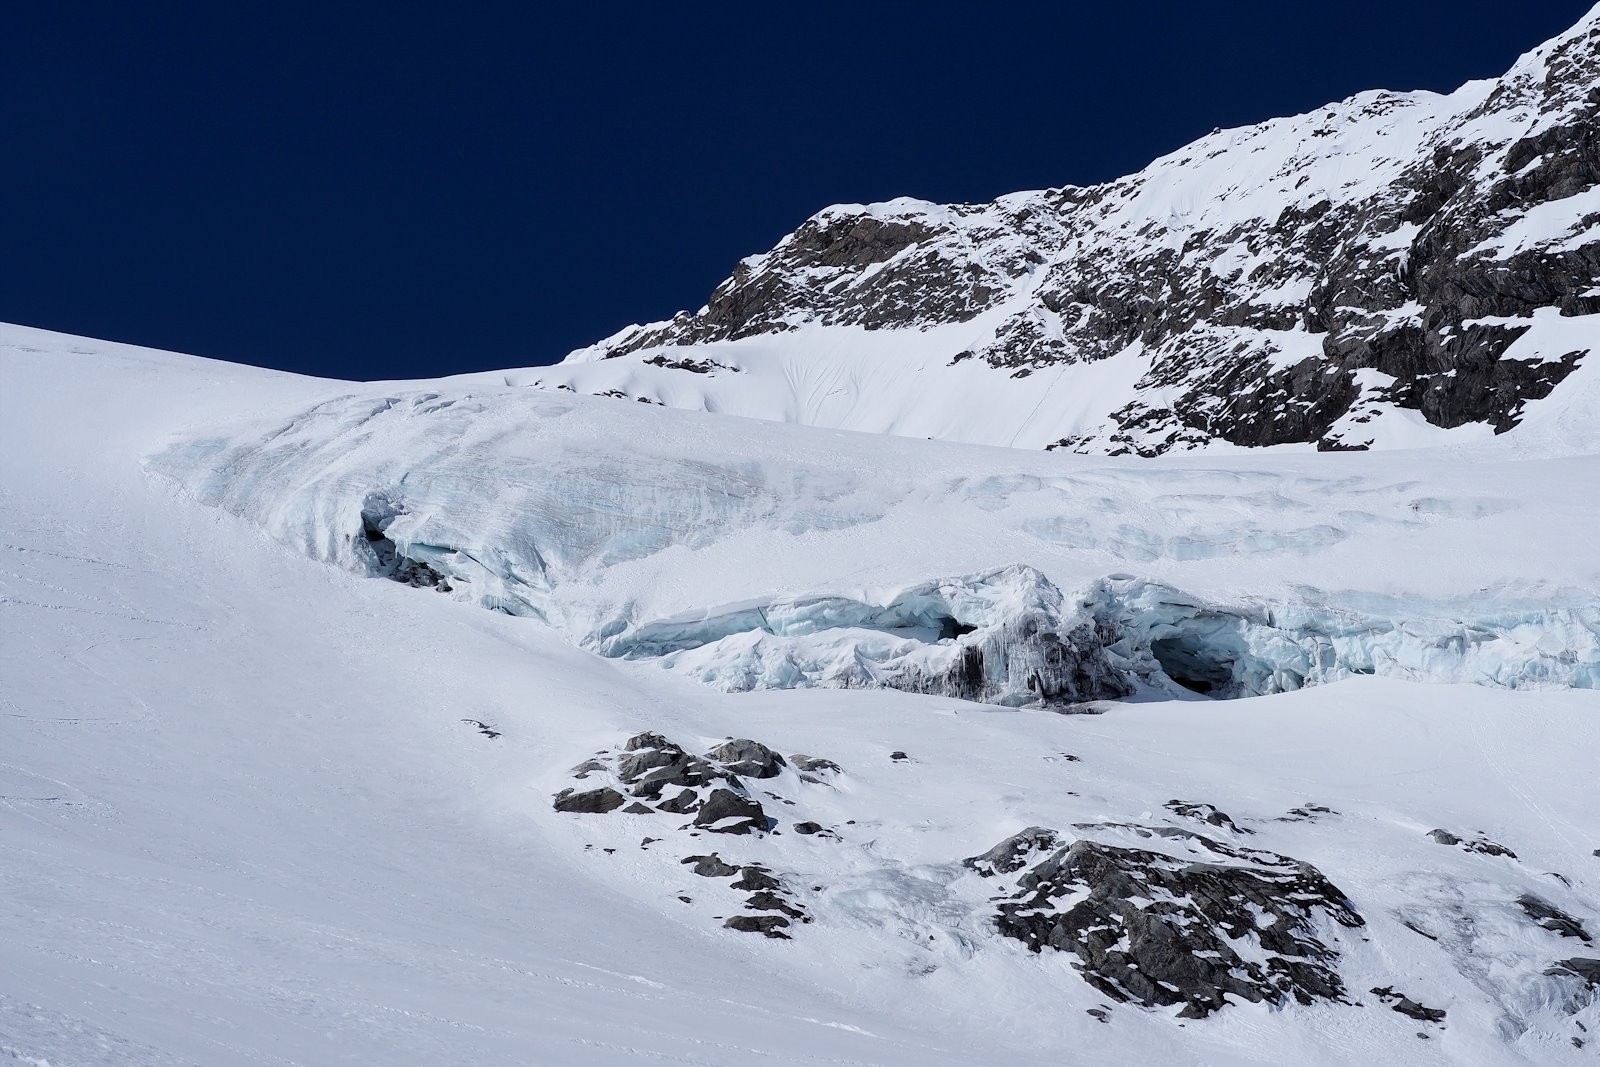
(604, 522)
(1257, 649)
(1024, 645)
(1003, 637)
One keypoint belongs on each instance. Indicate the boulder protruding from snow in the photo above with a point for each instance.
(1161, 929)
(1406, 1006)
(1014, 853)
(1478, 843)
(1547, 915)
(660, 775)
(594, 801)
(748, 759)
(727, 812)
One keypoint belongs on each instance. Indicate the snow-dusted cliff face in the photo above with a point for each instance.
(1371, 274)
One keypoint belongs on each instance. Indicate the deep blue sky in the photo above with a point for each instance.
(389, 190)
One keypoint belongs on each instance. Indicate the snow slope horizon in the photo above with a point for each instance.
(246, 819)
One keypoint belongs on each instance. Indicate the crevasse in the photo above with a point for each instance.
(1009, 637)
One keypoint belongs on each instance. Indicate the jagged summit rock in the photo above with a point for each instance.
(1332, 278)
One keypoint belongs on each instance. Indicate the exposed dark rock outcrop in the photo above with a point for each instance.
(693, 366)
(650, 773)
(727, 812)
(814, 764)
(1478, 844)
(711, 866)
(1157, 929)
(1206, 813)
(1406, 1006)
(1552, 918)
(767, 895)
(1014, 853)
(593, 802)
(659, 775)
(770, 925)
(1578, 967)
(1308, 813)
(748, 759)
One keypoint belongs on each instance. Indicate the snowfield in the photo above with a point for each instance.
(260, 805)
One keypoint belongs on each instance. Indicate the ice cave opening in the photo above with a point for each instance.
(389, 561)
(951, 628)
(1193, 664)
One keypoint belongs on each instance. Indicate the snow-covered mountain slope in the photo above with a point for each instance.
(259, 804)
(1391, 270)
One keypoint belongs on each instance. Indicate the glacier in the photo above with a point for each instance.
(514, 500)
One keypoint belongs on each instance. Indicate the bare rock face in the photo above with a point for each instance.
(1547, 915)
(1014, 853)
(1287, 282)
(727, 812)
(1479, 844)
(1581, 967)
(659, 775)
(749, 759)
(593, 802)
(1408, 1007)
(1157, 929)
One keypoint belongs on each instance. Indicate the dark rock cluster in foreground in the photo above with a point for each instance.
(772, 905)
(1180, 913)
(652, 775)
(1158, 930)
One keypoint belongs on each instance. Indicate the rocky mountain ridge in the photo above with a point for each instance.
(1379, 268)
